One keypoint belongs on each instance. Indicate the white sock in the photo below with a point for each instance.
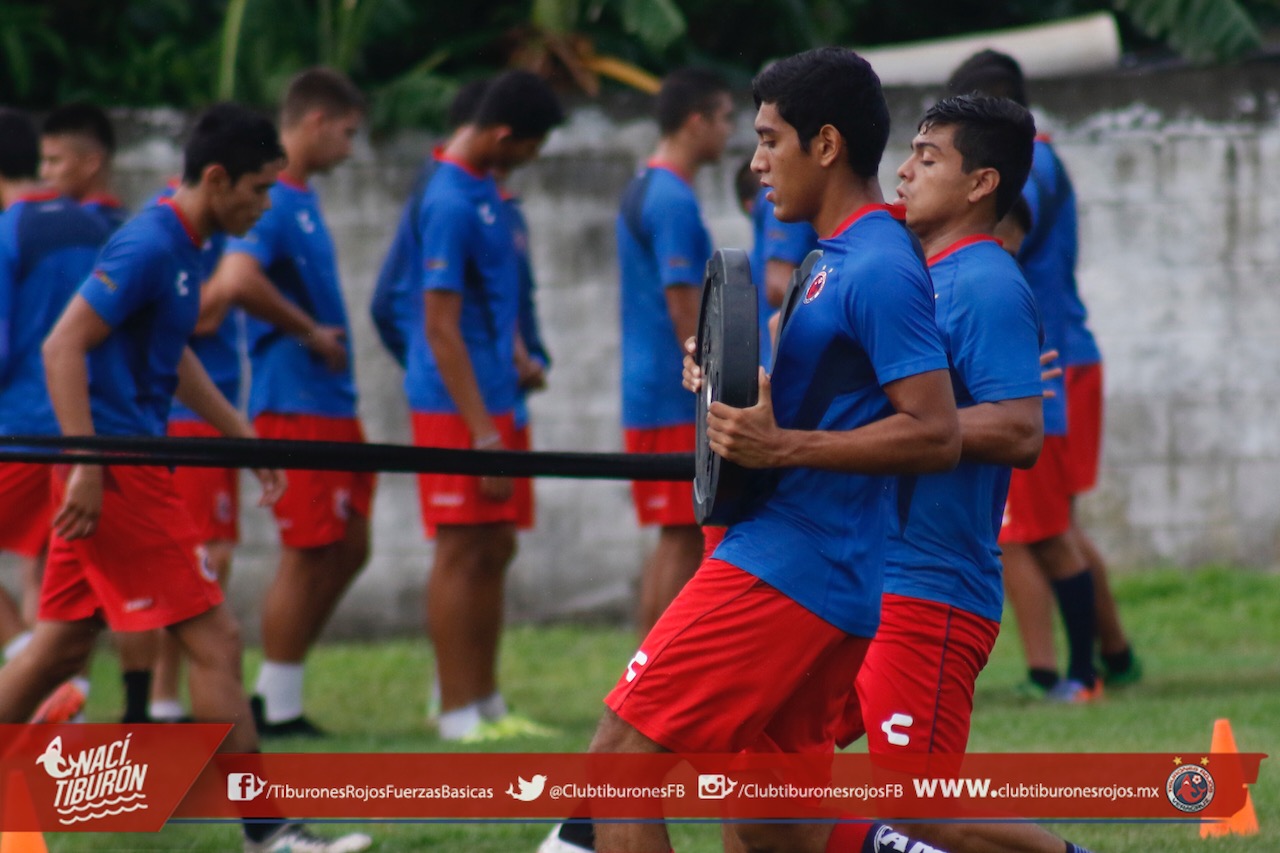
(166, 710)
(16, 645)
(280, 686)
(493, 707)
(82, 684)
(457, 724)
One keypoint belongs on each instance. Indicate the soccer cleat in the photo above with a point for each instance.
(1031, 691)
(510, 726)
(62, 706)
(297, 727)
(556, 843)
(1126, 677)
(295, 838)
(1068, 691)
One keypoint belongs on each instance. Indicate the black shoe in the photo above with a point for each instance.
(299, 726)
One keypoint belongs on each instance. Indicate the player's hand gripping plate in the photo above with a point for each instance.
(729, 354)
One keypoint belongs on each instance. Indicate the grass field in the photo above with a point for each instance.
(1210, 641)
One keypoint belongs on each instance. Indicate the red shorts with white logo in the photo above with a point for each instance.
(914, 693)
(144, 567)
(455, 499)
(1039, 503)
(733, 665)
(1084, 426)
(523, 486)
(317, 506)
(212, 495)
(661, 502)
(26, 508)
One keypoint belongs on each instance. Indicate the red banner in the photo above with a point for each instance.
(113, 778)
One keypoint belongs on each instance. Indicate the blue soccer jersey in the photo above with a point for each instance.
(943, 546)
(866, 320)
(145, 285)
(221, 353)
(108, 209)
(292, 245)
(662, 242)
(466, 249)
(1053, 199)
(774, 240)
(47, 247)
(396, 307)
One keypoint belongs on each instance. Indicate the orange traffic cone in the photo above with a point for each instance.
(19, 810)
(1243, 822)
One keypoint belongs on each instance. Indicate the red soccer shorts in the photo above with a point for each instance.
(143, 568)
(661, 502)
(712, 536)
(914, 693)
(523, 485)
(455, 499)
(1084, 426)
(212, 495)
(26, 508)
(732, 665)
(1039, 504)
(317, 505)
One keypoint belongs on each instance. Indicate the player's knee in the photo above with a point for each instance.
(615, 734)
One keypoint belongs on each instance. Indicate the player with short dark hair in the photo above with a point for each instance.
(47, 247)
(77, 144)
(859, 393)
(124, 549)
(1043, 547)
(462, 387)
(663, 247)
(284, 273)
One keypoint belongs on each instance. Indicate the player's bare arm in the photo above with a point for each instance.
(1006, 432)
(239, 279)
(921, 437)
(198, 393)
(66, 368)
(443, 320)
(684, 303)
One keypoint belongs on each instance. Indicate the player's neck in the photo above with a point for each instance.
(953, 231)
(471, 148)
(13, 190)
(845, 195)
(678, 156)
(194, 206)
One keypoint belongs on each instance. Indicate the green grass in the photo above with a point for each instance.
(1209, 641)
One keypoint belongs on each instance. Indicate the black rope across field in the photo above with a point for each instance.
(342, 456)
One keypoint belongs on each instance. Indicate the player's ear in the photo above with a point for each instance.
(827, 146)
(215, 177)
(985, 182)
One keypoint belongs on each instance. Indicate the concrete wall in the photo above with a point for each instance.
(1179, 236)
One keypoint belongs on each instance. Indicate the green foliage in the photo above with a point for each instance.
(1201, 30)
(25, 39)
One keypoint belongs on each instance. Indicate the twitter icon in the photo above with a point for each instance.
(530, 789)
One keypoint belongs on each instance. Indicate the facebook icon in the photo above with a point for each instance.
(244, 786)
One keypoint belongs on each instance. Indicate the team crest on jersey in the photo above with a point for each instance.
(814, 290)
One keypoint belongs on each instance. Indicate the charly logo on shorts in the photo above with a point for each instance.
(1190, 788)
(95, 783)
(816, 284)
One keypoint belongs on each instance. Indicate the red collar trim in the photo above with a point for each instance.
(173, 183)
(894, 210)
(655, 163)
(962, 243)
(104, 199)
(39, 195)
(1043, 137)
(442, 157)
(292, 184)
(186, 223)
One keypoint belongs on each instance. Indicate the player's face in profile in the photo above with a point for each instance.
(334, 137)
(935, 188)
(790, 173)
(237, 206)
(513, 152)
(68, 164)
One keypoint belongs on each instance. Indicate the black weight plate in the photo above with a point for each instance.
(729, 354)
